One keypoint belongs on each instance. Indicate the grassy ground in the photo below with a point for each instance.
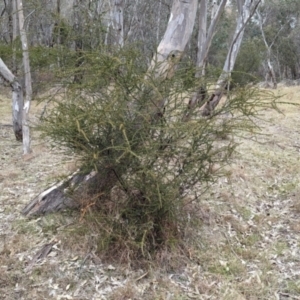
(248, 246)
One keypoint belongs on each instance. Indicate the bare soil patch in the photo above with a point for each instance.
(248, 246)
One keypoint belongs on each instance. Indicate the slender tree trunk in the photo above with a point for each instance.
(8, 9)
(27, 75)
(270, 69)
(134, 22)
(28, 85)
(14, 33)
(115, 25)
(246, 9)
(17, 99)
(203, 51)
(214, 7)
(202, 37)
(108, 22)
(158, 22)
(58, 37)
(78, 41)
(204, 42)
(117, 22)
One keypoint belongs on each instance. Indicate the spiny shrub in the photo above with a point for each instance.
(150, 163)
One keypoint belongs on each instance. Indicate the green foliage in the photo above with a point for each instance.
(42, 57)
(288, 54)
(6, 52)
(248, 63)
(222, 39)
(152, 167)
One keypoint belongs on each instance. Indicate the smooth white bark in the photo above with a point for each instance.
(202, 35)
(117, 22)
(246, 9)
(243, 18)
(28, 82)
(270, 70)
(14, 32)
(204, 41)
(175, 39)
(158, 21)
(17, 99)
(203, 51)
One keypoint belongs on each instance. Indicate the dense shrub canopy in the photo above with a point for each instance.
(152, 165)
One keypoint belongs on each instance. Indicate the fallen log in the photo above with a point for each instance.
(59, 196)
(70, 193)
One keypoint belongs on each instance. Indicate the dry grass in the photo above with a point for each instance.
(248, 245)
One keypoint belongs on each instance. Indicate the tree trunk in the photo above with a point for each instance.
(204, 42)
(178, 33)
(17, 99)
(272, 72)
(135, 21)
(14, 33)
(115, 25)
(117, 22)
(270, 69)
(246, 9)
(28, 85)
(78, 41)
(202, 37)
(158, 21)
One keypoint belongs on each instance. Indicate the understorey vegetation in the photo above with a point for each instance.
(150, 164)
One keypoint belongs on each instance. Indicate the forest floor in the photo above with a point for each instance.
(248, 246)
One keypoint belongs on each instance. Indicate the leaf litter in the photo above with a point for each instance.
(248, 246)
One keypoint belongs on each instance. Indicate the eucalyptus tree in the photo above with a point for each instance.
(205, 37)
(279, 22)
(178, 33)
(270, 70)
(17, 99)
(246, 9)
(145, 23)
(28, 82)
(117, 17)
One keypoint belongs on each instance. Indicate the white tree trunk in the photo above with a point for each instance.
(204, 42)
(246, 9)
(243, 18)
(270, 69)
(176, 37)
(117, 22)
(28, 85)
(14, 32)
(158, 21)
(214, 8)
(77, 26)
(202, 35)
(17, 99)
(203, 51)
(135, 22)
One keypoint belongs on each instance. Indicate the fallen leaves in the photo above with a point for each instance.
(247, 247)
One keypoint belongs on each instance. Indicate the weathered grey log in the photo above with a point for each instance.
(59, 196)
